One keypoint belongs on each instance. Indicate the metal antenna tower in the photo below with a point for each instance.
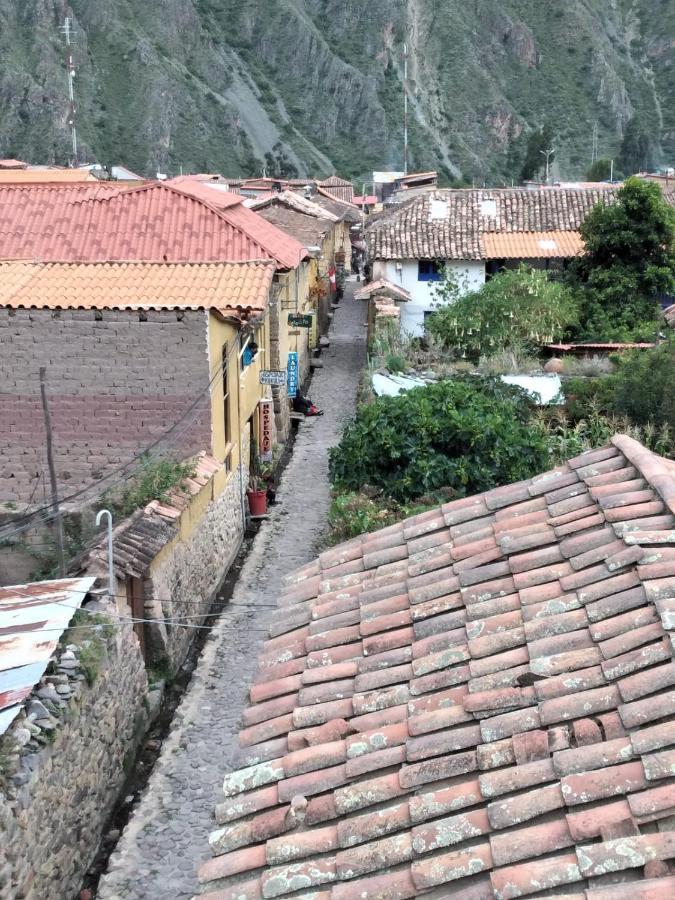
(405, 109)
(594, 151)
(66, 28)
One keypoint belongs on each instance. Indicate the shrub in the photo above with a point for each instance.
(469, 434)
(357, 512)
(155, 479)
(644, 385)
(516, 310)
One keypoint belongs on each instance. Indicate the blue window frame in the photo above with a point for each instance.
(429, 270)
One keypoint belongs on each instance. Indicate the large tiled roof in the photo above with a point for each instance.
(308, 229)
(338, 187)
(155, 222)
(532, 245)
(451, 224)
(45, 176)
(228, 288)
(476, 703)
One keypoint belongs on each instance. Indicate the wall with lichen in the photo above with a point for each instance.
(64, 761)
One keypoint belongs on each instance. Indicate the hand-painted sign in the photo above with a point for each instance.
(265, 428)
(314, 332)
(299, 321)
(292, 374)
(273, 376)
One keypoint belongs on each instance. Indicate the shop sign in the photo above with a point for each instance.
(273, 376)
(292, 374)
(314, 332)
(265, 424)
(300, 321)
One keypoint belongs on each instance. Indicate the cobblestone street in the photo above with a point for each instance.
(167, 836)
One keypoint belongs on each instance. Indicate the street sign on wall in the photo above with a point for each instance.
(300, 321)
(273, 376)
(292, 374)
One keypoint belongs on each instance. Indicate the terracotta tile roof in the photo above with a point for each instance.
(669, 313)
(338, 187)
(42, 176)
(382, 287)
(228, 288)
(308, 230)
(13, 164)
(586, 347)
(478, 701)
(155, 222)
(533, 245)
(452, 224)
(139, 539)
(292, 201)
(32, 619)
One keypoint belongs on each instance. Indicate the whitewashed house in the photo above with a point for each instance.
(475, 233)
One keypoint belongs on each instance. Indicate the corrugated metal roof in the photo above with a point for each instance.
(32, 619)
(228, 288)
(566, 348)
(669, 313)
(105, 221)
(533, 245)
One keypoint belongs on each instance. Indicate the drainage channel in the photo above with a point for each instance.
(151, 745)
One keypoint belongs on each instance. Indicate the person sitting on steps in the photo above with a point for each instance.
(305, 406)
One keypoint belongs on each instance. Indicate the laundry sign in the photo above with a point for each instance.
(292, 380)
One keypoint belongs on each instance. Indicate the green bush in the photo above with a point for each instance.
(155, 479)
(469, 434)
(644, 386)
(517, 309)
(357, 512)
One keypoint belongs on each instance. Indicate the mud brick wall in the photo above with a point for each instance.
(114, 385)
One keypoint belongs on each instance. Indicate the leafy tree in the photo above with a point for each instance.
(469, 434)
(644, 386)
(601, 170)
(535, 160)
(629, 260)
(636, 148)
(517, 309)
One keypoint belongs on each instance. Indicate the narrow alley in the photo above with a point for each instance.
(167, 836)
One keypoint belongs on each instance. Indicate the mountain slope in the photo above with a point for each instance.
(316, 85)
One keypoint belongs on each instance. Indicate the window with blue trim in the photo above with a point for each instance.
(429, 270)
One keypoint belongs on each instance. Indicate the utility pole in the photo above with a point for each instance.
(405, 109)
(70, 66)
(548, 154)
(56, 512)
(594, 151)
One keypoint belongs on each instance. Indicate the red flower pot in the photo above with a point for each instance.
(257, 502)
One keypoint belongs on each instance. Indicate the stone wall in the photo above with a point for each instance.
(63, 762)
(115, 384)
(184, 578)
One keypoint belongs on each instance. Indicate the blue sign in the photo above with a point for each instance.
(292, 374)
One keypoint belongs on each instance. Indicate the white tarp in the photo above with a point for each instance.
(542, 388)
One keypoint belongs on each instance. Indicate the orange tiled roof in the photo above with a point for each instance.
(532, 245)
(104, 221)
(228, 288)
(45, 176)
(478, 702)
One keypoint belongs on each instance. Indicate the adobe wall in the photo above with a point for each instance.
(188, 572)
(114, 386)
(63, 764)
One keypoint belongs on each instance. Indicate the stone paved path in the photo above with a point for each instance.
(167, 836)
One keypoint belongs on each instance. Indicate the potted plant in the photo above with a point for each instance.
(257, 487)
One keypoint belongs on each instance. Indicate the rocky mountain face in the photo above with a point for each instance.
(313, 86)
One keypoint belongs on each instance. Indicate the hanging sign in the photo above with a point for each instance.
(273, 376)
(292, 374)
(265, 428)
(314, 332)
(300, 321)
